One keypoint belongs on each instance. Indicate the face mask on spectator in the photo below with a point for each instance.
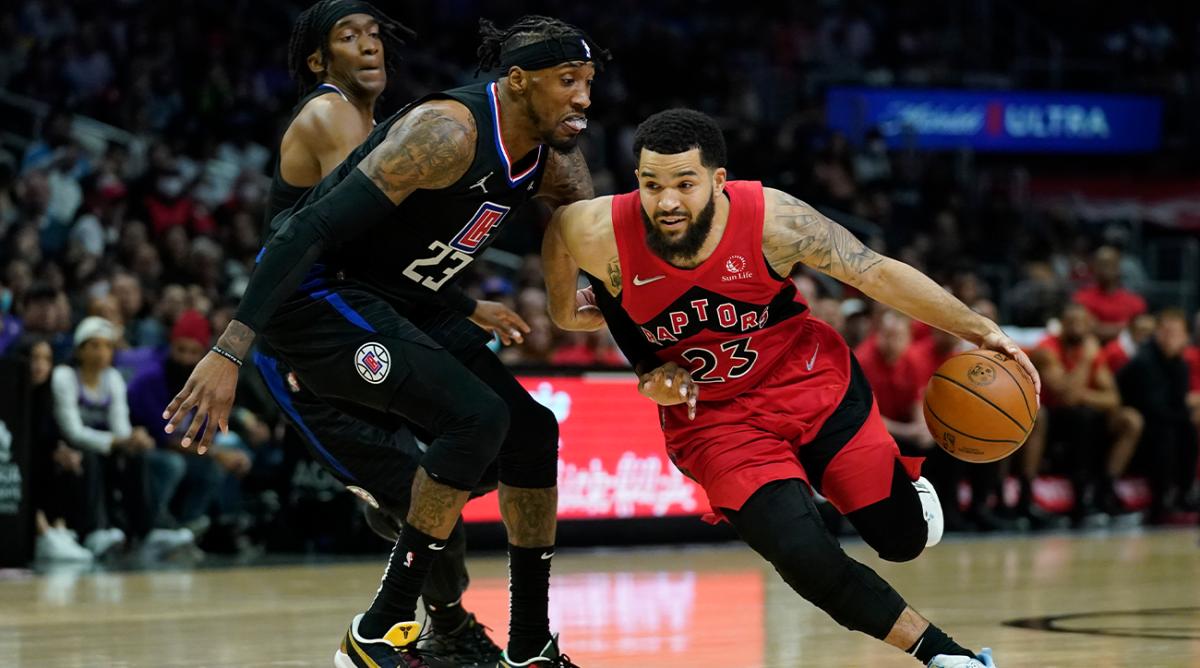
(170, 186)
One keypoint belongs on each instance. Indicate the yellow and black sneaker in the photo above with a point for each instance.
(396, 649)
(549, 657)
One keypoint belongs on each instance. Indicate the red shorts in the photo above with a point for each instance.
(819, 424)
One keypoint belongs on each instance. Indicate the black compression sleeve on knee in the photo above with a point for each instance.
(349, 209)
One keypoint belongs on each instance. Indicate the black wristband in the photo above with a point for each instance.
(458, 300)
(227, 355)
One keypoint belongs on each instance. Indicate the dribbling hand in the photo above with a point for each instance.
(670, 384)
(1001, 343)
(210, 391)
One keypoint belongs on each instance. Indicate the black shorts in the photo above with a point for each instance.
(370, 379)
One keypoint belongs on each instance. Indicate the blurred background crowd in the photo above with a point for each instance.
(134, 165)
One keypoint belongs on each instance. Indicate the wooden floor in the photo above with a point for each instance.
(1126, 599)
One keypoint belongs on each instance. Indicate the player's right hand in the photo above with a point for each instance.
(210, 391)
(670, 384)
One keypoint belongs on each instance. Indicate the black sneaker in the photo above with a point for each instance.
(396, 649)
(549, 657)
(466, 646)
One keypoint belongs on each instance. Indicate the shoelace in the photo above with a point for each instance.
(563, 661)
(478, 639)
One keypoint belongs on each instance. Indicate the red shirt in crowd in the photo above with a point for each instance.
(1069, 359)
(929, 358)
(1118, 352)
(1115, 308)
(897, 386)
(1191, 355)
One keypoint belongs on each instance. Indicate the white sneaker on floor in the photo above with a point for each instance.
(984, 660)
(169, 540)
(932, 509)
(100, 541)
(58, 545)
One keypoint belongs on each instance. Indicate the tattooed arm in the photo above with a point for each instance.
(580, 235)
(794, 232)
(431, 147)
(567, 180)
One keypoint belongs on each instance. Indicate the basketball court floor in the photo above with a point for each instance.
(1093, 600)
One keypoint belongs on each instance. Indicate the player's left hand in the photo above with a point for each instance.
(210, 391)
(670, 384)
(500, 320)
(1001, 343)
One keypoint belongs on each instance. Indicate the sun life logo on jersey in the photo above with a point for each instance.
(373, 362)
(736, 266)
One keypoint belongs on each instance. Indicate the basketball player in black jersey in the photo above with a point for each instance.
(352, 280)
(339, 56)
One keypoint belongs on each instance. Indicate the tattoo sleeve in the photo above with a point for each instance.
(435, 507)
(799, 233)
(530, 515)
(567, 179)
(427, 149)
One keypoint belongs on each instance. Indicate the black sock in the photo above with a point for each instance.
(529, 587)
(446, 617)
(409, 565)
(933, 642)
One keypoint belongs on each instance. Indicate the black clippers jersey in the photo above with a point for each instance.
(435, 234)
(283, 194)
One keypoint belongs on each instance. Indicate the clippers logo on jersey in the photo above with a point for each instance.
(479, 228)
(373, 362)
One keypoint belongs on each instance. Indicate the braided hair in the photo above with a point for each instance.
(304, 40)
(528, 30)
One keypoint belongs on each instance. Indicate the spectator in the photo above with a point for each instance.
(44, 314)
(1038, 297)
(152, 389)
(1155, 382)
(1119, 351)
(119, 466)
(1112, 305)
(1081, 409)
(896, 376)
(57, 481)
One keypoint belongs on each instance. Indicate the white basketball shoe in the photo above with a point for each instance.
(984, 660)
(931, 507)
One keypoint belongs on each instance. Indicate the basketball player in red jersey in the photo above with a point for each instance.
(760, 401)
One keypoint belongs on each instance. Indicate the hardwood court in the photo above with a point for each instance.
(1124, 599)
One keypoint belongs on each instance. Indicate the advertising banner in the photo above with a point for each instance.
(612, 463)
(1012, 121)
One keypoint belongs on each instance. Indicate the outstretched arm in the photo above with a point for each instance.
(430, 148)
(794, 232)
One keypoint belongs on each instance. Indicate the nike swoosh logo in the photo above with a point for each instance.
(809, 364)
(638, 281)
(547, 555)
(437, 548)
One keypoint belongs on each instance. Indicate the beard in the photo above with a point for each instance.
(685, 246)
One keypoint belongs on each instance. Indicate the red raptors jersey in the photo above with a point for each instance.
(730, 320)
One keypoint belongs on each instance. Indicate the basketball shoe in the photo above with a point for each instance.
(931, 506)
(466, 646)
(549, 657)
(396, 649)
(984, 660)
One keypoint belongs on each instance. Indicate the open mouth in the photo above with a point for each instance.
(672, 222)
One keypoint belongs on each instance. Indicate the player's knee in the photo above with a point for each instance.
(1130, 421)
(488, 424)
(531, 458)
(903, 545)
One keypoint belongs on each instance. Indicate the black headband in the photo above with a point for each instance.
(547, 53)
(334, 12)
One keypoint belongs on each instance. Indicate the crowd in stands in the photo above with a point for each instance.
(122, 256)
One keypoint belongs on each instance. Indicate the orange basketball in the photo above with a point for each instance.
(980, 406)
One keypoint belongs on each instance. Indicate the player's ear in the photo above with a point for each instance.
(719, 177)
(316, 64)
(518, 80)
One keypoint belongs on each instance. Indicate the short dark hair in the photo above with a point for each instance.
(679, 131)
(525, 31)
(305, 40)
